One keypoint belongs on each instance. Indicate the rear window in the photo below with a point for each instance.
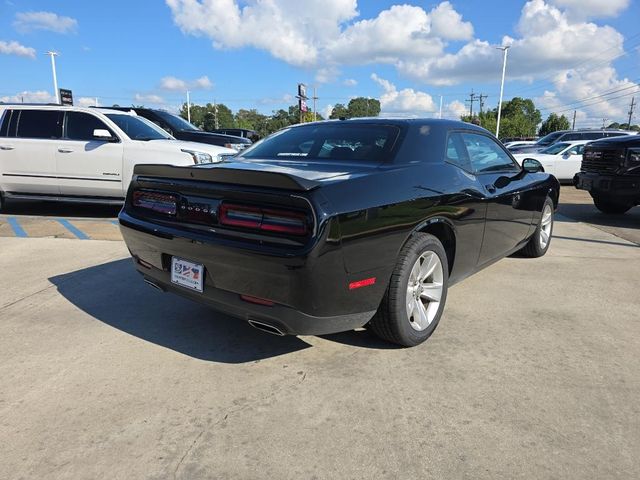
(40, 124)
(335, 141)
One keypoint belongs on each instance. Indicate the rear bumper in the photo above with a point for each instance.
(310, 292)
(613, 186)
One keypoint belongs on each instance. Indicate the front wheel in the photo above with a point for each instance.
(416, 295)
(539, 242)
(612, 207)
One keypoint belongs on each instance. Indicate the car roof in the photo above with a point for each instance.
(71, 108)
(400, 122)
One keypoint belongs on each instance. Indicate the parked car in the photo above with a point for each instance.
(83, 154)
(179, 128)
(240, 132)
(567, 136)
(561, 159)
(328, 226)
(518, 143)
(610, 172)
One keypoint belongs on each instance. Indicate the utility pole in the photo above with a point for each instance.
(188, 108)
(481, 99)
(472, 98)
(504, 68)
(53, 56)
(604, 121)
(633, 103)
(440, 116)
(314, 103)
(573, 125)
(215, 115)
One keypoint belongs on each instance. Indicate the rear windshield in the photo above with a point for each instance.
(333, 141)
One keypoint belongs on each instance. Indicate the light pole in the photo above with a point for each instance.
(53, 56)
(188, 108)
(504, 67)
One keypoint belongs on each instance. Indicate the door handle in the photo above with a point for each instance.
(7, 147)
(65, 150)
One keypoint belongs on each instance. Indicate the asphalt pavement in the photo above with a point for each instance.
(532, 373)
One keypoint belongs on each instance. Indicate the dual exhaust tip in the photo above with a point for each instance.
(265, 327)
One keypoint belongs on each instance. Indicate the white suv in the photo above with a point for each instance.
(83, 154)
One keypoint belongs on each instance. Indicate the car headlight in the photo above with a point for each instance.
(221, 157)
(199, 157)
(633, 157)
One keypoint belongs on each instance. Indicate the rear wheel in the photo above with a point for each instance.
(611, 207)
(539, 242)
(417, 292)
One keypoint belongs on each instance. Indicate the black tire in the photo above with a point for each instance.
(534, 248)
(611, 207)
(2, 201)
(391, 322)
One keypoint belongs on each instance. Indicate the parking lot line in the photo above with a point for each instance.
(15, 226)
(73, 229)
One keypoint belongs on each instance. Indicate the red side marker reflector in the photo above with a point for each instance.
(257, 300)
(362, 283)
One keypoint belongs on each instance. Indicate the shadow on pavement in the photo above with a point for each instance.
(55, 209)
(115, 294)
(588, 213)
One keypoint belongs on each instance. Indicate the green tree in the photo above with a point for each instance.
(614, 125)
(519, 118)
(553, 123)
(339, 111)
(363, 107)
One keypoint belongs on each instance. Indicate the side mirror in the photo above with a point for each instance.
(104, 135)
(531, 165)
(566, 155)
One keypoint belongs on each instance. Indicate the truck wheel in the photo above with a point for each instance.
(607, 206)
(539, 242)
(416, 295)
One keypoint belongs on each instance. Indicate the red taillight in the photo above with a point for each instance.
(267, 219)
(155, 201)
(257, 300)
(362, 283)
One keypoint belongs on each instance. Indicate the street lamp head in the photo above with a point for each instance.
(51, 52)
(504, 48)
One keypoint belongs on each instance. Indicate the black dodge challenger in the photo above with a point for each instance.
(329, 226)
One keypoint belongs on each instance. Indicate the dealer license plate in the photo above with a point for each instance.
(187, 274)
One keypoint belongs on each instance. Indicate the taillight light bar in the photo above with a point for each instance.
(155, 201)
(266, 219)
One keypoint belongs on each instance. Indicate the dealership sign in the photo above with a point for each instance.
(66, 97)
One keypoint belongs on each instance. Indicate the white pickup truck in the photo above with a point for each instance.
(64, 153)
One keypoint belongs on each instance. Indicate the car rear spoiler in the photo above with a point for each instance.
(256, 178)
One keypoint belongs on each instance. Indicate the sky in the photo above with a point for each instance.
(566, 55)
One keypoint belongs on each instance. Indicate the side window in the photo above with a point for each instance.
(592, 136)
(4, 126)
(80, 126)
(571, 136)
(456, 152)
(40, 124)
(486, 155)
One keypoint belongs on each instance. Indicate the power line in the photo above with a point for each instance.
(595, 97)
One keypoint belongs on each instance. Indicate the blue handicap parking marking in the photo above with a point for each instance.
(73, 229)
(16, 227)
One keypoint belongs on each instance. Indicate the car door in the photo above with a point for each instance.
(507, 219)
(88, 166)
(568, 163)
(27, 160)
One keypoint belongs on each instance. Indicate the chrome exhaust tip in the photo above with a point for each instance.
(265, 327)
(154, 285)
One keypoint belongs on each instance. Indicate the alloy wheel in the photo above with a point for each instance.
(424, 290)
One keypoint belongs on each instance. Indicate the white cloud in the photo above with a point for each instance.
(593, 8)
(177, 84)
(406, 101)
(26, 96)
(454, 110)
(317, 32)
(86, 102)
(29, 21)
(350, 82)
(327, 74)
(15, 48)
(148, 98)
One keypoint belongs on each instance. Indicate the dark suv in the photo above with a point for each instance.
(567, 136)
(610, 172)
(183, 130)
